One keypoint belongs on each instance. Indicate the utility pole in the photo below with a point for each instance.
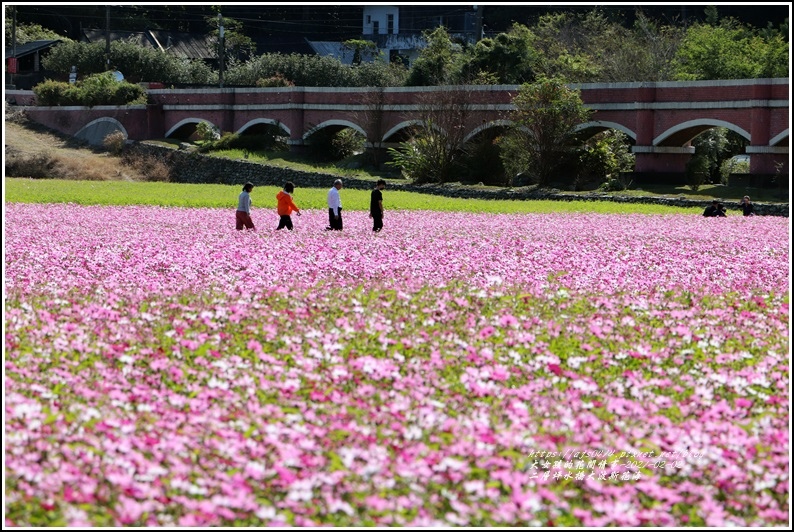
(478, 22)
(14, 46)
(221, 46)
(107, 37)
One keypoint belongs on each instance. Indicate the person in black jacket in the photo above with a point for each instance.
(747, 207)
(714, 210)
(376, 206)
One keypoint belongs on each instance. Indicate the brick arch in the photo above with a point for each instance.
(489, 125)
(400, 127)
(407, 124)
(684, 132)
(96, 130)
(329, 123)
(602, 125)
(269, 121)
(185, 122)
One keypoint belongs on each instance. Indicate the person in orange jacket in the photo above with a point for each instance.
(286, 206)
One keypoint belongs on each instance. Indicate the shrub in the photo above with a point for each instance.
(98, 89)
(346, 143)
(269, 140)
(207, 132)
(483, 163)
(617, 182)
(415, 161)
(157, 170)
(602, 159)
(114, 142)
(733, 166)
(37, 166)
(329, 145)
(151, 167)
(302, 70)
(72, 95)
(138, 63)
(379, 74)
(129, 94)
(49, 92)
(15, 114)
(49, 165)
(277, 80)
(697, 172)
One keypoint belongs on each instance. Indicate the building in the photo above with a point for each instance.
(23, 63)
(179, 44)
(398, 30)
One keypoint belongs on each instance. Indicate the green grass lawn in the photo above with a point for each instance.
(23, 190)
(705, 192)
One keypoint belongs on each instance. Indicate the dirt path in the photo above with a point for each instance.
(29, 148)
(21, 140)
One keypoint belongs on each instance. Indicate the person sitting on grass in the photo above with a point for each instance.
(747, 207)
(716, 209)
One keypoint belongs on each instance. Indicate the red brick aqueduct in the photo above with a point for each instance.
(661, 118)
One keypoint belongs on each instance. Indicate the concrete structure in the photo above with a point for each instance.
(398, 31)
(661, 118)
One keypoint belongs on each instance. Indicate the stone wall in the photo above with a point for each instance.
(192, 167)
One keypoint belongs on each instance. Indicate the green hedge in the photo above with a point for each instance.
(98, 89)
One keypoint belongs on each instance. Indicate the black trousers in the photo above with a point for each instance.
(285, 221)
(334, 222)
(377, 222)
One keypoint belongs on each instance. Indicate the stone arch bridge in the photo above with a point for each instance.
(660, 118)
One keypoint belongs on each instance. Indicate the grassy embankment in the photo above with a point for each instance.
(225, 196)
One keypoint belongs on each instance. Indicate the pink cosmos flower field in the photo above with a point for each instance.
(456, 369)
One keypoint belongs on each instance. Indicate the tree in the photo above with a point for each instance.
(434, 64)
(236, 45)
(594, 47)
(30, 32)
(559, 39)
(360, 48)
(730, 51)
(372, 120)
(509, 57)
(604, 158)
(715, 146)
(546, 114)
(437, 147)
(641, 53)
(302, 70)
(379, 73)
(136, 62)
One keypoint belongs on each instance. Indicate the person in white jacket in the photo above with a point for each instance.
(243, 214)
(335, 207)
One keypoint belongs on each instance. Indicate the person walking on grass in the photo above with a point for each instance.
(335, 207)
(376, 206)
(286, 206)
(243, 214)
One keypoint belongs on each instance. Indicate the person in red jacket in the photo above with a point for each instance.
(286, 206)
